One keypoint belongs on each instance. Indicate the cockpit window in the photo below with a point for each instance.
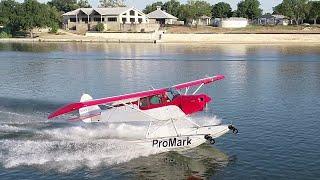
(143, 102)
(172, 93)
(155, 100)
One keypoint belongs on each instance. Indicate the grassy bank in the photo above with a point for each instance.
(250, 29)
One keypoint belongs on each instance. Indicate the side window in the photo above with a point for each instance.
(155, 100)
(143, 102)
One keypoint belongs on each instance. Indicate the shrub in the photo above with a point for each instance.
(100, 27)
(4, 34)
(54, 28)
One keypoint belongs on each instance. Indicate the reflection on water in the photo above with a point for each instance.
(102, 51)
(200, 162)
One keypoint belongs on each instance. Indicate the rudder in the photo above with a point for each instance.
(89, 111)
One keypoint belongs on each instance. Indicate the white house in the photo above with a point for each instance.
(201, 21)
(114, 19)
(161, 17)
(233, 22)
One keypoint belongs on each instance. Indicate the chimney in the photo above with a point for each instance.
(158, 7)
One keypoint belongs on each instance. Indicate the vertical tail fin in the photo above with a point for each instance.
(88, 111)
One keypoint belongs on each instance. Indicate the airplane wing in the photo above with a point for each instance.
(199, 82)
(77, 105)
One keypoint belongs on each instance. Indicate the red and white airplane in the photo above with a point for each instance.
(161, 108)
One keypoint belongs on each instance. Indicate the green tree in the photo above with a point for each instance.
(184, 12)
(221, 10)
(34, 15)
(53, 19)
(112, 3)
(284, 8)
(200, 8)
(194, 9)
(314, 11)
(249, 9)
(294, 9)
(172, 7)
(84, 4)
(152, 7)
(27, 15)
(64, 5)
(9, 15)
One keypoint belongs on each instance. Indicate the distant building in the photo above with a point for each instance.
(201, 21)
(233, 22)
(273, 19)
(114, 19)
(161, 17)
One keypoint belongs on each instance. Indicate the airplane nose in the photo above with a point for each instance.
(207, 99)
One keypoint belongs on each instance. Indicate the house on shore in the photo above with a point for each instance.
(273, 19)
(201, 21)
(161, 17)
(232, 22)
(114, 19)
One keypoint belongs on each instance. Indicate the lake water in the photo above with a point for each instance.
(271, 93)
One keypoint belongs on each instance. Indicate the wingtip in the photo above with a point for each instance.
(220, 76)
(51, 116)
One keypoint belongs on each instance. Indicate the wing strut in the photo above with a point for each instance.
(186, 92)
(175, 128)
(197, 89)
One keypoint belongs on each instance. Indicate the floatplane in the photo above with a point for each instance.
(161, 109)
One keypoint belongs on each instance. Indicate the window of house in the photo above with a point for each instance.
(96, 19)
(132, 13)
(139, 15)
(73, 19)
(84, 20)
(112, 19)
(132, 20)
(140, 20)
(124, 14)
(124, 20)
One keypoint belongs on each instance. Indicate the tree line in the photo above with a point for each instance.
(196, 8)
(297, 10)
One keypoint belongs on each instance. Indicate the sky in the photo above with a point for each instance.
(266, 5)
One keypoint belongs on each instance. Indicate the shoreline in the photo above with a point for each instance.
(243, 38)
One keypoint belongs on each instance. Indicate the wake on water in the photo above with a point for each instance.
(34, 141)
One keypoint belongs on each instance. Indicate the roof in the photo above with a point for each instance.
(101, 11)
(159, 14)
(277, 16)
(205, 17)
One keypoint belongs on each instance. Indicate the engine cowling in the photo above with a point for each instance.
(190, 104)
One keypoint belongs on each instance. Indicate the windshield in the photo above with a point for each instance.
(172, 93)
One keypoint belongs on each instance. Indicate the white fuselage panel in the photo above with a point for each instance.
(132, 113)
